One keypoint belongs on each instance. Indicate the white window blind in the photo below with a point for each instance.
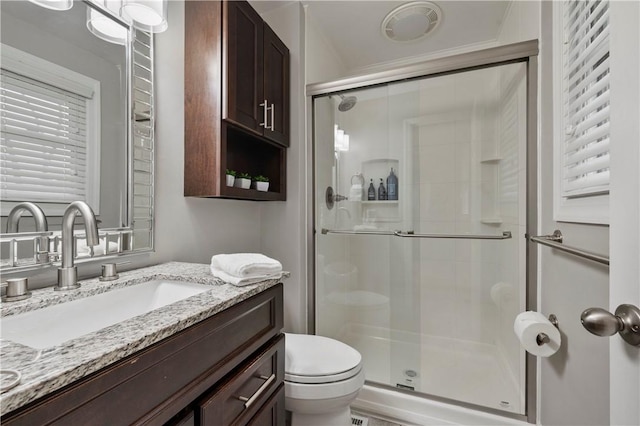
(43, 152)
(586, 98)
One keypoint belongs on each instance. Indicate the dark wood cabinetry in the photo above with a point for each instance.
(193, 377)
(236, 100)
(239, 397)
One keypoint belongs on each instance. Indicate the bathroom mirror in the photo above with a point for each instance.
(77, 124)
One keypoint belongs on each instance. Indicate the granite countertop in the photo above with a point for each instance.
(46, 370)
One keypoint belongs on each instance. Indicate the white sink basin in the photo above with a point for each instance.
(50, 326)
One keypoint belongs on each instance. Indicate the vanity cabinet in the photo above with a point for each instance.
(236, 100)
(193, 377)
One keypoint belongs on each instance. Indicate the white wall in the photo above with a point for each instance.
(283, 231)
(324, 64)
(521, 22)
(574, 383)
(188, 229)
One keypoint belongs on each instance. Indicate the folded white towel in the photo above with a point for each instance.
(246, 265)
(238, 281)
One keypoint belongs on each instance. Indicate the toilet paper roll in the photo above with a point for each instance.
(528, 326)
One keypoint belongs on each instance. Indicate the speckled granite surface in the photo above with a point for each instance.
(46, 370)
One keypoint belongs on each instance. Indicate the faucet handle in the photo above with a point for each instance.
(109, 272)
(17, 289)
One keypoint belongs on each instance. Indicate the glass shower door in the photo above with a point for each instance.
(408, 278)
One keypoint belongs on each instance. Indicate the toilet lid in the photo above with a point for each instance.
(318, 359)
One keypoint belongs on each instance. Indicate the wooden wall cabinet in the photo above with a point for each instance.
(191, 378)
(236, 100)
(257, 74)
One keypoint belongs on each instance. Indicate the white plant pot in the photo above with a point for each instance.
(230, 180)
(262, 186)
(242, 183)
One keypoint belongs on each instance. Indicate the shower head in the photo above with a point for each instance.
(347, 103)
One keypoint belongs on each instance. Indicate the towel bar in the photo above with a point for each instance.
(555, 241)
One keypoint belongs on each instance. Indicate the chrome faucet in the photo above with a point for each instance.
(13, 219)
(68, 273)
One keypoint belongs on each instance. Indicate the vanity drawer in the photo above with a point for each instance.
(244, 392)
(272, 412)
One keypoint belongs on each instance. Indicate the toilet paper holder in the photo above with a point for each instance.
(543, 338)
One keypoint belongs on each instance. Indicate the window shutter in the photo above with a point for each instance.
(586, 98)
(43, 141)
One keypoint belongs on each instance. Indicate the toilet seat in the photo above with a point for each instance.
(297, 378)
(316, 359)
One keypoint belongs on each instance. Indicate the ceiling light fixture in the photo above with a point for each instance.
(147, 15)
(411, 21)
(54, 4)
(104, 27)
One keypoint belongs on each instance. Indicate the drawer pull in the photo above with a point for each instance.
(249, 401)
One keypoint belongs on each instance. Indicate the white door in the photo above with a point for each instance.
(625, 203)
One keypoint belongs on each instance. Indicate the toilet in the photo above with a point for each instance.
(322, 377)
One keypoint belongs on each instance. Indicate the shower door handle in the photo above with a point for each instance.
(410, 234)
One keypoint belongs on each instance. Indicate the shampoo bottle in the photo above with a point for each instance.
(382, 192)
(371, 193)
(392, 186)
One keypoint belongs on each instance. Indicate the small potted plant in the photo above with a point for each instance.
(243, 180)
(261, 183)
(231, 177)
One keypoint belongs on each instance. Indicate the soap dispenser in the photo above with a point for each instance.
(392, 186)
(382, 192)
(371, 193)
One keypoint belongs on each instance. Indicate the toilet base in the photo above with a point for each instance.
(340, 417)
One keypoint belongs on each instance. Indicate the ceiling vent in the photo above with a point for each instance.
(411, 21)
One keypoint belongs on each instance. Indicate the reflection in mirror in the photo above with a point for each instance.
(66, 99)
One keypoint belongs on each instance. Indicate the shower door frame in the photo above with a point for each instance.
(522, 52)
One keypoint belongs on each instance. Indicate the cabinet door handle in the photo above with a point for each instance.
(264, 114)
(249, 401)
(273, 108)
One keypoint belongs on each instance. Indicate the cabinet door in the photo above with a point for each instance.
(272, 413)
(243, 56)
(276, 87)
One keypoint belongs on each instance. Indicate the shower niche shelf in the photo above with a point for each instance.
(381, 202)
(381, 210)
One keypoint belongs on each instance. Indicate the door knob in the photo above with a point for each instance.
(625, 321)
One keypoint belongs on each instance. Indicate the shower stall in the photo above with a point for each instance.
(421, 206)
